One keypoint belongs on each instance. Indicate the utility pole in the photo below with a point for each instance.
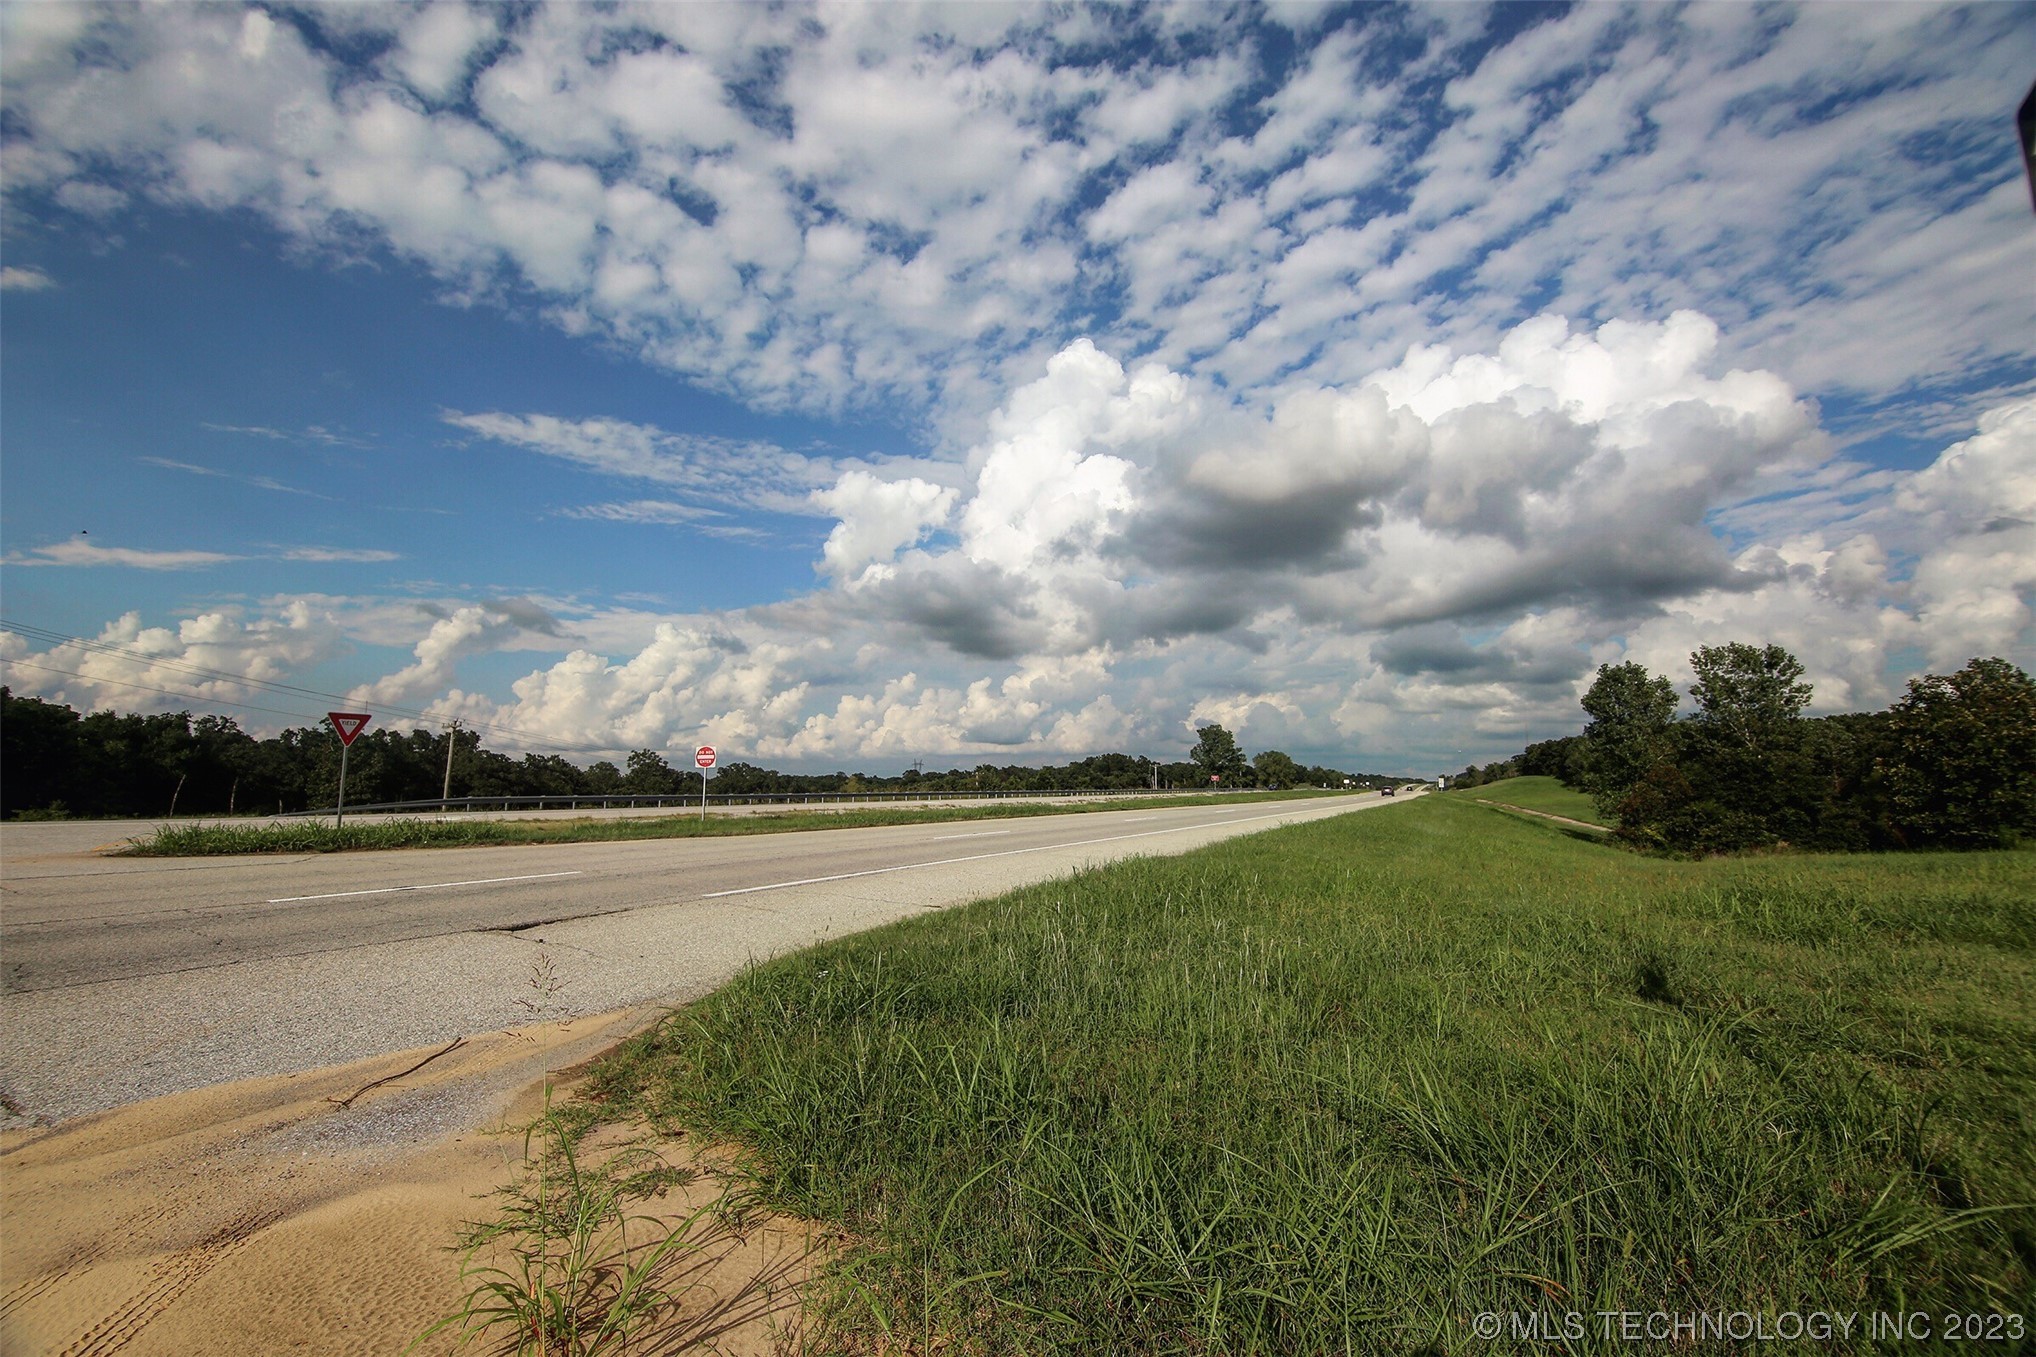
(452, 739)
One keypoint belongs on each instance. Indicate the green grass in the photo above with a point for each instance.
(367, 832)
(1544, 794)
(1339, 1088)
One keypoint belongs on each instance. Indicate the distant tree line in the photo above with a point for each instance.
(1950, 765)
(55, 762)
(1475, 775)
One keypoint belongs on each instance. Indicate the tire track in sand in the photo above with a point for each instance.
(168, 1278)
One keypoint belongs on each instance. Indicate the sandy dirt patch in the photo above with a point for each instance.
(263, 1217)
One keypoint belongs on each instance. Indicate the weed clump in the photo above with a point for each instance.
(583, 1271)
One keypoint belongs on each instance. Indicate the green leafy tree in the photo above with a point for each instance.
(548, 775)
(1275, 769)
(1841, 785)
(739, 779)
(1747, 695)
(1562, 759)
(466, 762)
(1631, 711)
(40, 753)
(1216, 755)
(1963, 758)
(220, 752)
(271, 775)
(649, 774)
(131, 764)
(487, 773)
(1747, 751)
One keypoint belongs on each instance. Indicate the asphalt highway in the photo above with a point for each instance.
(126, 978)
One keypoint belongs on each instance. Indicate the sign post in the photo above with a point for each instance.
(704, 757)
(349, 725)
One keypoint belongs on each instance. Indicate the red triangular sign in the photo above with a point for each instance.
(348, 723)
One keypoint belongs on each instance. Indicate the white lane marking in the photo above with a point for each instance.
(434, 886)
(980, 857)
(985, 834)
(1139, 819)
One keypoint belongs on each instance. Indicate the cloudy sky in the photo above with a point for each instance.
(849, 385)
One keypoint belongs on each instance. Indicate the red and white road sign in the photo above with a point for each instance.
(349, 724)
(704, 756)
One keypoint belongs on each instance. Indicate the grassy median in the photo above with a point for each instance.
(373, 832)
(1345, 1087)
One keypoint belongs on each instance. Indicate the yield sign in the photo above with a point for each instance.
(349, 724)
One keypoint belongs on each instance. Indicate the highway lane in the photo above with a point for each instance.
(129, 977)
(80, 922)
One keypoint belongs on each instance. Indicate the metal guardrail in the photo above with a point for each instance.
(680, 801)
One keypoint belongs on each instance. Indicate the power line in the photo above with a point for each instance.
(56, 638)
(270, 685)
(168, 692)
(245, 706)
(182, 666)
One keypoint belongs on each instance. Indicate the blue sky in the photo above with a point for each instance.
(853, 385)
